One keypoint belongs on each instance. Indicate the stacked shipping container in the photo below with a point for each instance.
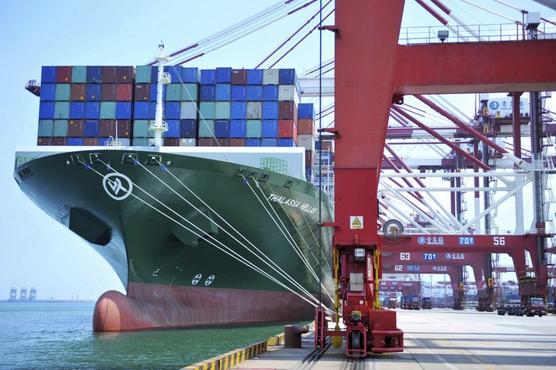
(229, 107)
(248, 107)
(85, 105)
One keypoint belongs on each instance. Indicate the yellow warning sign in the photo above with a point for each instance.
(355, 222)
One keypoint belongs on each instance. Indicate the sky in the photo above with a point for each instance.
(34, 249)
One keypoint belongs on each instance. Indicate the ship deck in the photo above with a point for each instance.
(441, 339)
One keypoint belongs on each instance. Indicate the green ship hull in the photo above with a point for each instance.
(195, 241)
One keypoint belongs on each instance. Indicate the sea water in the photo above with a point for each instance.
(59, 335)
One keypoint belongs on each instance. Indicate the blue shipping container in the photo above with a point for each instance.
(152, 93)
(254, 77)
(252, 142)
(48, 74)
(238, 110)
(94, 75)
(208, 92)
(269, 128)
(74, 141)
(48, 92)
(92, 92)
(208, 76)
(270, 93)
(123, 110)
(223, 92)
(77, 110)
(286, 142)
(190, 75)
(188, 128)
(91, 128)
(222, 128)
(173, 71)
(172, 110)
(46, 110)
(92, 110)
(141, 110)
(305, 111)
(239, 93)
(173, 128)
(238, 128)
(103, 141)
(224, 75)
(286, 76)
(270, 110)
(268, 142)
(254, 93)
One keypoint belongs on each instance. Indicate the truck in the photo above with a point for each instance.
(392, 303)
(426, 303)
(534, 306)
(410, 302)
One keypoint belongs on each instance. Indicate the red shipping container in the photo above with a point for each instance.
(239, 76)
(287, 128)
(90, 141)
(305, 127)
(44, 141)
(220, 142)
(63, 74)
(77, 92)
(58, 141)
(171, 141)
(205, 141)
(108, 92)
(142, 92)
(123, 92)
(107, 128)
(75, 128)
(108, 74)
(286, 110)
(124, 128)
(236, 142)
(124, 74)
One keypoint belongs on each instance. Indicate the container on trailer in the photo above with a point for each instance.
(223, 75)
(223, 92)
(77, 110)
(172, 110)
(48, 92)
(206, 128)
(222, 110)
(188, 110)
(270, 110)
(254, 93)
(107, 110)
(46, 127)
(48, 74)
(63, 74)
(222, 128)
(173, 129)
(60, 128)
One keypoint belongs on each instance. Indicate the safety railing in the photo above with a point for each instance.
(473, 33)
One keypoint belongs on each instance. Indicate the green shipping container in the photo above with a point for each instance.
(60, 128)
(143, 74)
(62, 92)
(189, 92)
(173, 92)
(79, 74)
(222, 110)
(46, 127)
(140, 141)
(206, 128)
(206, 110)
(108, 110)
(61, 110)
(254, 127)
(140, 129)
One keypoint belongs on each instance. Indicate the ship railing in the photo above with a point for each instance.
(473, 33)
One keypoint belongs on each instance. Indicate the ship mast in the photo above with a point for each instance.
(159, 126)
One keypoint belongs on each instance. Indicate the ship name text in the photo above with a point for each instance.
(305, 207)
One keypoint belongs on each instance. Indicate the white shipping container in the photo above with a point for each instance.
(188, 110)
(188, 142)
(271, 76)
(287, 92)
(306, 141)
(254, 110)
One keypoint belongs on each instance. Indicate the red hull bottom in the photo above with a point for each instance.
(152, 306)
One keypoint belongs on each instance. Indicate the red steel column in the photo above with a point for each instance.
(366, 44)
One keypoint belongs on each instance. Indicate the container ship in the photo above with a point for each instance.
(191, 184)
